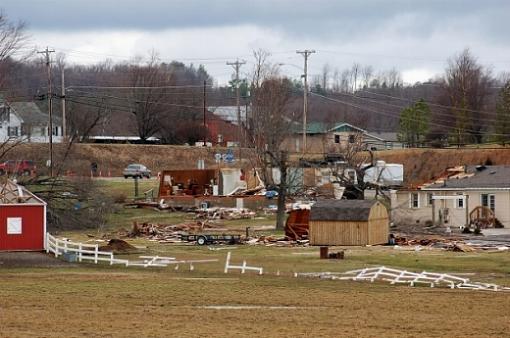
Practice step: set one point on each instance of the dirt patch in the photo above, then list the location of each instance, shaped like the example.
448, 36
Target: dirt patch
30, 260
118, 246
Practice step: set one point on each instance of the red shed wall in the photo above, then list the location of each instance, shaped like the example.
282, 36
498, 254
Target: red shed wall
32, 235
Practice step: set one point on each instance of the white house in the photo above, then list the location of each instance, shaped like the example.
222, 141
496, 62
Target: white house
24, 120
451, 199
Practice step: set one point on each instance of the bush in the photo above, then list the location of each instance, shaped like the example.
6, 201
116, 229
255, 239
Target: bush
119, 198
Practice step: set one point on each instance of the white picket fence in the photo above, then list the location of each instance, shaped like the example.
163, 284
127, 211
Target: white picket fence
88, 252
395, 276
91, 252
242, 267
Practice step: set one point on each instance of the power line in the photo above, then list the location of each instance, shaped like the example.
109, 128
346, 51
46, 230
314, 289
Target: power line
475, 119
139, 87
396, 117
134, 100
430, 104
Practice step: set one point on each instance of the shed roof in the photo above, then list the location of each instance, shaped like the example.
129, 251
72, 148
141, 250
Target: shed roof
341, 210
12, 193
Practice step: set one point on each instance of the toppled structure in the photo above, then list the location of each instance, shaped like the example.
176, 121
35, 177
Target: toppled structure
396, 276
226, 187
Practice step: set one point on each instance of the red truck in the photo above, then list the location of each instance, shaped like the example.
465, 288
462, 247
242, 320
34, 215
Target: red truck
20, 167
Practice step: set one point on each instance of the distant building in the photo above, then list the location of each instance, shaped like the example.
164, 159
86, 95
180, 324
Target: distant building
326, 138
25, 121
229, 113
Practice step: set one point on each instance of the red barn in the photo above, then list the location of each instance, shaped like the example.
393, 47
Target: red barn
22, 219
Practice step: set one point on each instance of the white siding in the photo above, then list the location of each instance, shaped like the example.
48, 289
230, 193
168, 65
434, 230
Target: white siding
402, 212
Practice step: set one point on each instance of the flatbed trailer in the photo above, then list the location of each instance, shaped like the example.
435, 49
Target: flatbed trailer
203, 239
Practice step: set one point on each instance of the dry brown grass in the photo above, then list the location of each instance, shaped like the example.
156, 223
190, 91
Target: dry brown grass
104, 301
128, 303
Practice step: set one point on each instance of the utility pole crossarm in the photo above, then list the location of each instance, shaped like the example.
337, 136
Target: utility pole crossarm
306, 53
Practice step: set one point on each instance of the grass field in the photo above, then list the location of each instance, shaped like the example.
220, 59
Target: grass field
84, 300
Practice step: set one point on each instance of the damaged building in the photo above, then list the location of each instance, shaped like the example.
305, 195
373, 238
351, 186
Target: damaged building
461, 196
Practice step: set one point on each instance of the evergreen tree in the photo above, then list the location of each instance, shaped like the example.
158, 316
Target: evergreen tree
414, 123
502, 127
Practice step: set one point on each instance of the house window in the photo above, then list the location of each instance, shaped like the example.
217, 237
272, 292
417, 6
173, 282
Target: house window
55, 131
430, 200
460, 203
12, 131
337, 138
488, 200
414, 200
43, 131
352, 138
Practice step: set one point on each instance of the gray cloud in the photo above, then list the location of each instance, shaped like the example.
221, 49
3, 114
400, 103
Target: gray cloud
410, 35
320, 17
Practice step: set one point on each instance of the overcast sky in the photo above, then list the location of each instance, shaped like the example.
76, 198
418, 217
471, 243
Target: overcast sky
415, 37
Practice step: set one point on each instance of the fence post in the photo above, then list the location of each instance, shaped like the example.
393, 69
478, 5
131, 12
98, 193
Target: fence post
227, 262
96, 253
80, 248
56, 247
65, 247
244, 266
111, 258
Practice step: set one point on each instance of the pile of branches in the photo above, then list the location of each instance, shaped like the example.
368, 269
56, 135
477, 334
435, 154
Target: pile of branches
73, 203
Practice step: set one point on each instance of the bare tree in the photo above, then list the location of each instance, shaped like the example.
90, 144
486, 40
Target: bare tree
350, 173
394, 78
345, 81
355, 73
147, 98
326, 69
12, 40
336, 81
466, 85
270, 126
367, 73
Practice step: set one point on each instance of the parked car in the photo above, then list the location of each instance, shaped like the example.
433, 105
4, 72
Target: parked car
136, 170
19, 167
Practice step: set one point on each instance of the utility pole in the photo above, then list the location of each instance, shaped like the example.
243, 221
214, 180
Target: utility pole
306, 53
236, 65
47, 52
205, 125
64, 124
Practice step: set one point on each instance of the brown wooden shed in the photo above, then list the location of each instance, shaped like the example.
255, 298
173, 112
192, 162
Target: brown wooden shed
348, 222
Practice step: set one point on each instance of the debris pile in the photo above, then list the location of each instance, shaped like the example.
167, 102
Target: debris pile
275, 241
297, 224
225, 213
165, 233
451, 244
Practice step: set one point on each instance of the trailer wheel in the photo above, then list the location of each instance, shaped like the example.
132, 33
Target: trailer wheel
201, 240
